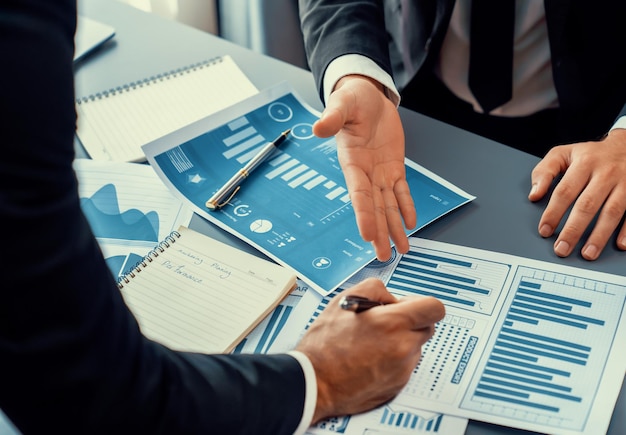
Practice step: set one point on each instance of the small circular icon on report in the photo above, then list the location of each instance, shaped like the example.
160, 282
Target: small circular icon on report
242, 210
321, 263
302, 131
280, 112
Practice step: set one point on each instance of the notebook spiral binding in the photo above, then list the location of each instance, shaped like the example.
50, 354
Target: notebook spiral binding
148, 258
149, 80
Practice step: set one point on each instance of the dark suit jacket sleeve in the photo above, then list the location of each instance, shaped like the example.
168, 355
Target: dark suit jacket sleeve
622, 112
332, 28
72, 358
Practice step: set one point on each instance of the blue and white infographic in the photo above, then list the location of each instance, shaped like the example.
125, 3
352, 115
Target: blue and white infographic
128, 208
295, 207
526, 344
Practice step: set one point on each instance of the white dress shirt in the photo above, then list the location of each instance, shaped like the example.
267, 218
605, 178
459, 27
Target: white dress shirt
533, 84
310, 399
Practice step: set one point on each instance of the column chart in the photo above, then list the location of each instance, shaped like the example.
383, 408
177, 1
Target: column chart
527, 344
550, 349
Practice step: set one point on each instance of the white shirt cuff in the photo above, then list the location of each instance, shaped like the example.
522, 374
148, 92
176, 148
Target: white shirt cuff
620, 123
358, 64
310, 398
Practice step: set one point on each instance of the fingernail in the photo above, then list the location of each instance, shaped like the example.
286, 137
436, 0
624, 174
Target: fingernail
533, 189
590, 252
623, 242
545, 230
561, 248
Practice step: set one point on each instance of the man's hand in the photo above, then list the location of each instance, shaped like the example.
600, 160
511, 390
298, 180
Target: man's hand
370, 148
593, 183
363, 360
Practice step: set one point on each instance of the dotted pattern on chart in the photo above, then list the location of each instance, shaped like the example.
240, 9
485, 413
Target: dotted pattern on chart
440, 359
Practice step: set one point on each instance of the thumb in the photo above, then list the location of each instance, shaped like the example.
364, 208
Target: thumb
330, 123
334, 116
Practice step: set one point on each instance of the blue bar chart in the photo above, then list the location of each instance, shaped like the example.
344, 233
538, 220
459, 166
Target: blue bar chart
549, 352
261, 338
524, 343
468, 283
275, 321
410, 420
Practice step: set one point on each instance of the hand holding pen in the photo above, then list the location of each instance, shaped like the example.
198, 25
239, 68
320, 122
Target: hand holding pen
230, 188
358, 303
377, 351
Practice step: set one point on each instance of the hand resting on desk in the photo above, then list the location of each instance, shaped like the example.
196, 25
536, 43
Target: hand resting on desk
363, 360
594, 181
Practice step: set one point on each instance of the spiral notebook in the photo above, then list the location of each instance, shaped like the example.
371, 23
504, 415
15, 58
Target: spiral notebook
115, 123
194, 293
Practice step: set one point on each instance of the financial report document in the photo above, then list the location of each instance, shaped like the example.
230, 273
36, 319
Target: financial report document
128, 208
527, 344
392, 418
295, 207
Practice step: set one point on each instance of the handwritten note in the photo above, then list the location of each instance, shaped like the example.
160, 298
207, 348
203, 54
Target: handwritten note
198, 294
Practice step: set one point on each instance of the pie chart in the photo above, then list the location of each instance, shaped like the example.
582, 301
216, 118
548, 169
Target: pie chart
260, 226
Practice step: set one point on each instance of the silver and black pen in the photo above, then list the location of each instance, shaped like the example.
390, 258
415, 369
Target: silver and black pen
225, 193
358, 304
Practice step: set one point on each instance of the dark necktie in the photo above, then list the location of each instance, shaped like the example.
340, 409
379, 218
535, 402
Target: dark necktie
491, 52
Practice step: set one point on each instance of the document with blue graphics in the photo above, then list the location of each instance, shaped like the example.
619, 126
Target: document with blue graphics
390, 418
527, 344
128, 208
295, 207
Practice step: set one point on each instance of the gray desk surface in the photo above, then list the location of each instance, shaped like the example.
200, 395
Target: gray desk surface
501, 219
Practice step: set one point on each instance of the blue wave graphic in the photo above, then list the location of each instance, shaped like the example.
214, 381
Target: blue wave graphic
103, 213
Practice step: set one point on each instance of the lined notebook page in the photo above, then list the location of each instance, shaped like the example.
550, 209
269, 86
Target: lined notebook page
115, 124
202, 295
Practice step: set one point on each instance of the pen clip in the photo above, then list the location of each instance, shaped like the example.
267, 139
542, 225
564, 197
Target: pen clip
229, 198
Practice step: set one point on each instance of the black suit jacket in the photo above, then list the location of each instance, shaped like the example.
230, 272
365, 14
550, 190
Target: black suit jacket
72, 358
587, 42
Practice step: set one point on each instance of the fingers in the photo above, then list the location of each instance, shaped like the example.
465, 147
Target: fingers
608, 220
394, 210
362, 360
419, 312
401, 216
390, 221
415, 313
364, 201
384, 203
592, 189
371, 288
370, 148
621, 238
547, 170
381, 212
564, 195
